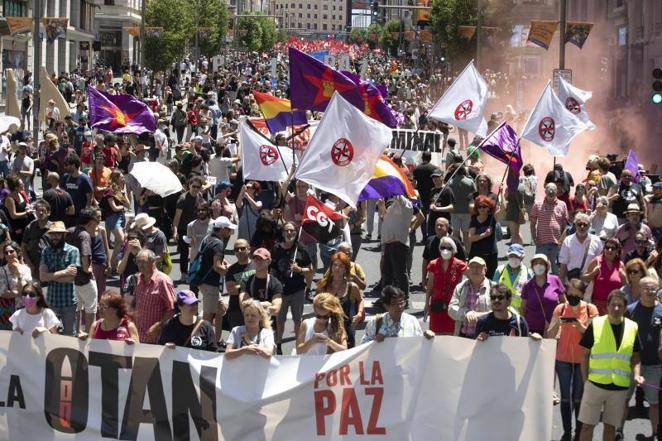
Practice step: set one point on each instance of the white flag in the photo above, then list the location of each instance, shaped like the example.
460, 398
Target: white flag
463, 103
551, 125
574, 100
260, 159
343, 153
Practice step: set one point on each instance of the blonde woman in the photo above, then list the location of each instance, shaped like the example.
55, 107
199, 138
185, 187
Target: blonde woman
324, 333
255, 336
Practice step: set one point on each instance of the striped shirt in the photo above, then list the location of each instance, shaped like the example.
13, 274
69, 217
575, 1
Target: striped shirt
154, 298
552, 219
60, 294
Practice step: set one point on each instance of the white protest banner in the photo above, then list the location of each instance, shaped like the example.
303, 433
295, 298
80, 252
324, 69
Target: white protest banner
59, 388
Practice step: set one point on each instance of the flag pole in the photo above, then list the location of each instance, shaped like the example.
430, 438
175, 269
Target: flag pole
296, 250
451, 177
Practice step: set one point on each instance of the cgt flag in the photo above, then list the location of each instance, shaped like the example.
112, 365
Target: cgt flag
320, 221
119, 113
574, 100
260, 159
344, 151
463, 103
551, 125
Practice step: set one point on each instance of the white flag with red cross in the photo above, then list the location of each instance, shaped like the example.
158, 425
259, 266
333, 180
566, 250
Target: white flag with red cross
551, 125
463, 103
574, 99
344, 150
260, 159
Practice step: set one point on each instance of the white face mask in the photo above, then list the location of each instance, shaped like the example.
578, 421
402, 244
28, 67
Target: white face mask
539, 269
514, 262
446, 254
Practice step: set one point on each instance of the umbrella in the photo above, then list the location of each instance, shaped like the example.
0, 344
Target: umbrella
7, 121
156, 177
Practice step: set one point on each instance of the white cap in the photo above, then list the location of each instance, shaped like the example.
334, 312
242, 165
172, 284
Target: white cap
223, 222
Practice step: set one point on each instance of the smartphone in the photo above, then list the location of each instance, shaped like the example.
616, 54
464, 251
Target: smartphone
568, 319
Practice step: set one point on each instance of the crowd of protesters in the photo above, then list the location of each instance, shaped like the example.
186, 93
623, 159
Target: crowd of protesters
87, 252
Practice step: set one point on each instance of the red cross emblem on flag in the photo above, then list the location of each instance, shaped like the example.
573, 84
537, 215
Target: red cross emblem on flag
547, 129
463, 110
573, 105
268, 154
342, 152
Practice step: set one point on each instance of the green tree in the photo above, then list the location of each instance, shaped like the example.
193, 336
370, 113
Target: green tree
389, 40
446, 17
374, 34
212, 14
358, 35
257, 32
176, 17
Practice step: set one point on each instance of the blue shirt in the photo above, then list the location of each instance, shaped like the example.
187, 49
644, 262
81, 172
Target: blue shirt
649, 321
60, 295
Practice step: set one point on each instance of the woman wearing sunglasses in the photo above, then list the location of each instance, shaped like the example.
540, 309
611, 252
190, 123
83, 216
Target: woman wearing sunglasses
607, 273
114, 322
13, 276
36, 317
324, 333
482, 233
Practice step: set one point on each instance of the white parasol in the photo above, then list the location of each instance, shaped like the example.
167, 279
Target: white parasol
7, 121
156, 177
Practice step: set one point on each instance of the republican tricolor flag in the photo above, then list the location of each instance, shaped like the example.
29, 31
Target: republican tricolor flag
278, 112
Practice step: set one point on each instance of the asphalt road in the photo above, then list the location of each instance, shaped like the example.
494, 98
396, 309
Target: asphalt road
368, 258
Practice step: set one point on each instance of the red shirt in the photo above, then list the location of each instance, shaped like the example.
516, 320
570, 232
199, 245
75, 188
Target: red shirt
154, 298
120, 333
112, 155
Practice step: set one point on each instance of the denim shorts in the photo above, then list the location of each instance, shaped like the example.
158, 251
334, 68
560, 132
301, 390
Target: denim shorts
116, 221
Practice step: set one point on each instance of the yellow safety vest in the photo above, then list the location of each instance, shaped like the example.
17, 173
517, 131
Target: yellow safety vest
607, 365
515, 286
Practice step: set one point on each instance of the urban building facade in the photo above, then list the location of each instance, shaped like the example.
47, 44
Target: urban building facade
113, 21
312, 17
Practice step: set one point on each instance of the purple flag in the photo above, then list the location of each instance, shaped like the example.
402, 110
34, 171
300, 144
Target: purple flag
632, 164
119, 113
503, 145
312, 84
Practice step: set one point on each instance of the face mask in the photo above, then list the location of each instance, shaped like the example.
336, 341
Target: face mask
28, 301
514, 262
539, 269
573, 300
446, 254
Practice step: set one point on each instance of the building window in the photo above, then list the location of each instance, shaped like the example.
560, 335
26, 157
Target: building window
300, 15
315, 7
324, 17
292, 5
109, 2
300, 6
315, 26
619, 3
14, 8
622, 36
325, 7
299, 26
315, 16
308, 6
324, 26
340, 8
307, 15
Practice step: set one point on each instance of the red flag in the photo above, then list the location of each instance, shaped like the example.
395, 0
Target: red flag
320, 221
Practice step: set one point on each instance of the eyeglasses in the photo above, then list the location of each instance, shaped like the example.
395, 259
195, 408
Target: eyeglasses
240, 248
649, 290
636, 271
581, 224
30, 294
497, 298
322, 317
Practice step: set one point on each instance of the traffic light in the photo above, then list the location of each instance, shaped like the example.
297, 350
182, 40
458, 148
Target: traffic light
657, 86
375, 7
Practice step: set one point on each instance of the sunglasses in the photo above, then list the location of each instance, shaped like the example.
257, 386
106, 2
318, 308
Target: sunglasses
581, 224
445, 248
497, 298
634, 272
29, 294
480, 207
240, 248
322, 317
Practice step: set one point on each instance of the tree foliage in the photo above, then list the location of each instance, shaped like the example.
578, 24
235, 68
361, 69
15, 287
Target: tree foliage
180, 20
358, 35
257, 32
390, 38
446, 17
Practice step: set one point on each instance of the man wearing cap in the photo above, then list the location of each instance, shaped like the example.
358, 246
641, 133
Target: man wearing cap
155, 239
212, 270
654, 210
441, 200
471, 298
154, 297
23, 166
58, 268
261, 286
628, 231
513, 275
578, 250
549, 218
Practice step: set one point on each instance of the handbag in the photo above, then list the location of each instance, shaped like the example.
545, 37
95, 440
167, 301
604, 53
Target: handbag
166, 261
438, 306
576, 273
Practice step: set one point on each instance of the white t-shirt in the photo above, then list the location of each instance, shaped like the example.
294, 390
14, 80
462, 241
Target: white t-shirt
4, 148
219, 167
28, 322
264, 338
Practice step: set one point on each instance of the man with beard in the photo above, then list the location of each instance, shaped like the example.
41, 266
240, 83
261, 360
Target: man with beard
58, 268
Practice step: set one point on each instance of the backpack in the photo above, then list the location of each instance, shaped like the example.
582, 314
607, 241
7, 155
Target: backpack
195, 275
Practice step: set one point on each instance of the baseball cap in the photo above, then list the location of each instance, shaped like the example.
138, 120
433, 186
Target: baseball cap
516, 250
187, 297
223, 222
478, 260
262, 253
437, 173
